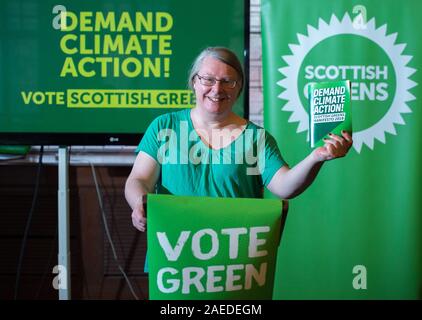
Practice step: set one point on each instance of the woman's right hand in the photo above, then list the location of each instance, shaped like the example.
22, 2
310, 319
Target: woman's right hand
139, 219
142, 180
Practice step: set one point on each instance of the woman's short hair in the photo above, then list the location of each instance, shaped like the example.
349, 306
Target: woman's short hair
222, 54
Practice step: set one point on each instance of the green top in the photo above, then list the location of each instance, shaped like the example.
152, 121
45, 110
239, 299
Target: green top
190, 167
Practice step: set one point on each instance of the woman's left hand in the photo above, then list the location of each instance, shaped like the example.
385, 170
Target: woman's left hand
334, 147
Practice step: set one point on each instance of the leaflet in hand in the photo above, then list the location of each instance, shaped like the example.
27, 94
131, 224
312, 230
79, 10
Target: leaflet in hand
329, 110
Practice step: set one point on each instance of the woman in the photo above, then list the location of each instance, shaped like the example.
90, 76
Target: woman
211, 151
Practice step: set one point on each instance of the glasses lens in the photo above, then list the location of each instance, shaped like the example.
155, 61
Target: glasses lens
229, 83
208, 81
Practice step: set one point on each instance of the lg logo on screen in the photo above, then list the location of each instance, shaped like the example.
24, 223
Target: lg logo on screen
60, 281
359, 280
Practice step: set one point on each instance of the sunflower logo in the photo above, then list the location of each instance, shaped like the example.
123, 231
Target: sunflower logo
399, 97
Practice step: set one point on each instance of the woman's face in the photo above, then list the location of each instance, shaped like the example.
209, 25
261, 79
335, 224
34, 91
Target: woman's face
218, 98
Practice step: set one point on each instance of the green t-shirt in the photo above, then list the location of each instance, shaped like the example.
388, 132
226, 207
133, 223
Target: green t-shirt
190, 167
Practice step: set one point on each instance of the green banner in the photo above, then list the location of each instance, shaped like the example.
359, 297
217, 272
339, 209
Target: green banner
356, 233
212, 248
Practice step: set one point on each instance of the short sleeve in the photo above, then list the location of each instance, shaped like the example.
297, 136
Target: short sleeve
273, 159
149, 142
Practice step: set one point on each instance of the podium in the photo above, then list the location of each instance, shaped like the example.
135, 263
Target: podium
212, 248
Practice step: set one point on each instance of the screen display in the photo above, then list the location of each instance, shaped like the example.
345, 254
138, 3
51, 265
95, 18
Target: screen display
98, 72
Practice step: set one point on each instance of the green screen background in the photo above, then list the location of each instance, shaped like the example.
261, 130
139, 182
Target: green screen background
31, 60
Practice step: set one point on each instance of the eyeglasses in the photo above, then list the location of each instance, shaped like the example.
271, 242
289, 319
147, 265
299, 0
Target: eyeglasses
210, 81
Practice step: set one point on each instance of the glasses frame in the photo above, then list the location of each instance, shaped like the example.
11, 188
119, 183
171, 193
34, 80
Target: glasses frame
224, 82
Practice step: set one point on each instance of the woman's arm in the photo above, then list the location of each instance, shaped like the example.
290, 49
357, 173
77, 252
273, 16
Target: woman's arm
141, 180
288, 183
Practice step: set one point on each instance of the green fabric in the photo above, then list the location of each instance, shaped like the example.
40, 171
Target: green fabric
216, 174
356, 233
